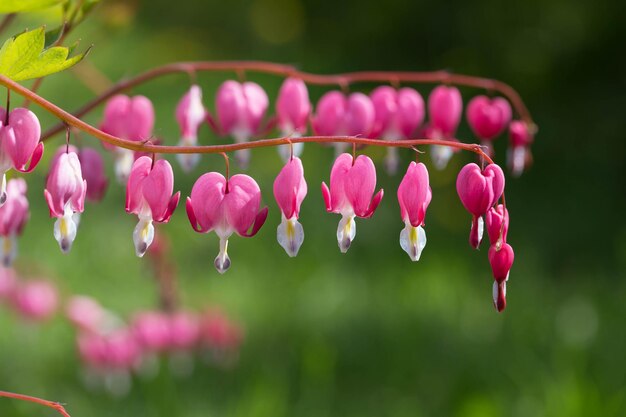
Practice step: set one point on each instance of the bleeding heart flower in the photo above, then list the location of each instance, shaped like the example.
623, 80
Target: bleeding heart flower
19, 143
501, 261
152, 330
352, 185
36, 299
293, 109
13, 217
240, 109
398, 113
65, 194
445, 106
225, 206
414, 195
149, 196
338, 115
497, 220
184, 329
131, 119
518, 155
479, 191
289, 190
190, 114
488, 117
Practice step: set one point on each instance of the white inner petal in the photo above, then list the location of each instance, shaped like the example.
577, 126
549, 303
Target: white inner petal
290, 235
65, 229
346, 231
222, 261
143, 235
413, 241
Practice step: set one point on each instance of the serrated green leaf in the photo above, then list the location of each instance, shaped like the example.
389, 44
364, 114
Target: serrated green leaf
20, 50
24, 57
16, 6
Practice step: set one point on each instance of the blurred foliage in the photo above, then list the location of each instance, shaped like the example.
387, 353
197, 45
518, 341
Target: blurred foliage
367, 333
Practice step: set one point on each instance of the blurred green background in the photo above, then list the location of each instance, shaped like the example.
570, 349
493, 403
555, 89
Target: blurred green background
367, 333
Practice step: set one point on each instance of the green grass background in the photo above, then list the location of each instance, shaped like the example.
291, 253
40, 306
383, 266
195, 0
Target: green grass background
367, 333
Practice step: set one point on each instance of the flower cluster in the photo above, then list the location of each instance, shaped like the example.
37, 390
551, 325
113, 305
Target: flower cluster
479, 191
230, 205
387, 113
110, 348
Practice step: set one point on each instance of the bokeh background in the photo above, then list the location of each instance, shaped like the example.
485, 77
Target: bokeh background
367, 333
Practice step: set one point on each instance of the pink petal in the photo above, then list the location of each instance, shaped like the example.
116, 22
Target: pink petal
290, 188
20, 138
330, 114
360, 115
488, 117
414, 194
134, 187
241, 204
338, 175
256, 105
158, 187
230, 105
410, 111
293, 106
206, 200
359, 184
445, 107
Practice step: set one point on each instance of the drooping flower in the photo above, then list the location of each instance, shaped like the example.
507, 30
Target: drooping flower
479, 190
131, 119
414, 195
488, 117
293, 109
518, 155
13, 217
190, 114
149, 196
184, 329
398, 113
445, 106
338, 115
225, 206
240, 109
290, 188
501, 259
65, 194
352, 185
151, 330
93, 170
35, 300
497, 222
20, 132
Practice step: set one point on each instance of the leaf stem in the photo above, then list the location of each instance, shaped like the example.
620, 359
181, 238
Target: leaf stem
51, 404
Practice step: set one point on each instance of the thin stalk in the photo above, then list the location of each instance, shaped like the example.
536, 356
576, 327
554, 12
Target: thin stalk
341, 80
51, 404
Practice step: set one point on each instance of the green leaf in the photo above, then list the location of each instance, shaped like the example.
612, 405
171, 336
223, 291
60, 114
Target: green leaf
25, 56
15, 6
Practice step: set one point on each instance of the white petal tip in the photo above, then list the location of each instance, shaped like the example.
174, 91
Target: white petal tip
413, 241
290, 235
